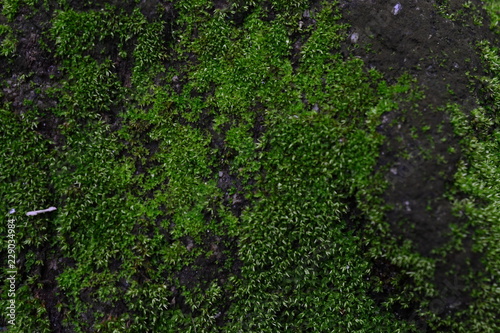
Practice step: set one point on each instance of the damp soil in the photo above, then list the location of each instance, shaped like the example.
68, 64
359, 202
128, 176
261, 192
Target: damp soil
439, 53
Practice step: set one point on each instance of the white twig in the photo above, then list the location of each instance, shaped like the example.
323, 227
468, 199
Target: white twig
35, 212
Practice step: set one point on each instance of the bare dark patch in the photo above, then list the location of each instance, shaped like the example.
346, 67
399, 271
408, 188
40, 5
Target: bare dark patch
417, 159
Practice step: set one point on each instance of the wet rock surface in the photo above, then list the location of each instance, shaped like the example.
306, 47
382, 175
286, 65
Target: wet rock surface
422, 152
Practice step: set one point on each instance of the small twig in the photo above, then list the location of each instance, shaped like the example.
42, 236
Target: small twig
35, 212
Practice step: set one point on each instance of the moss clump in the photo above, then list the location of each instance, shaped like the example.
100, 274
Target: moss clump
214, 169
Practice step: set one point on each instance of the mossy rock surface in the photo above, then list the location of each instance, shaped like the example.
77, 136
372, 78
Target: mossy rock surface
250, 166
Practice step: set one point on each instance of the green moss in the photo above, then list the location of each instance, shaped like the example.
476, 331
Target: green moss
221, 180
8, 41
476, 181
493, 8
